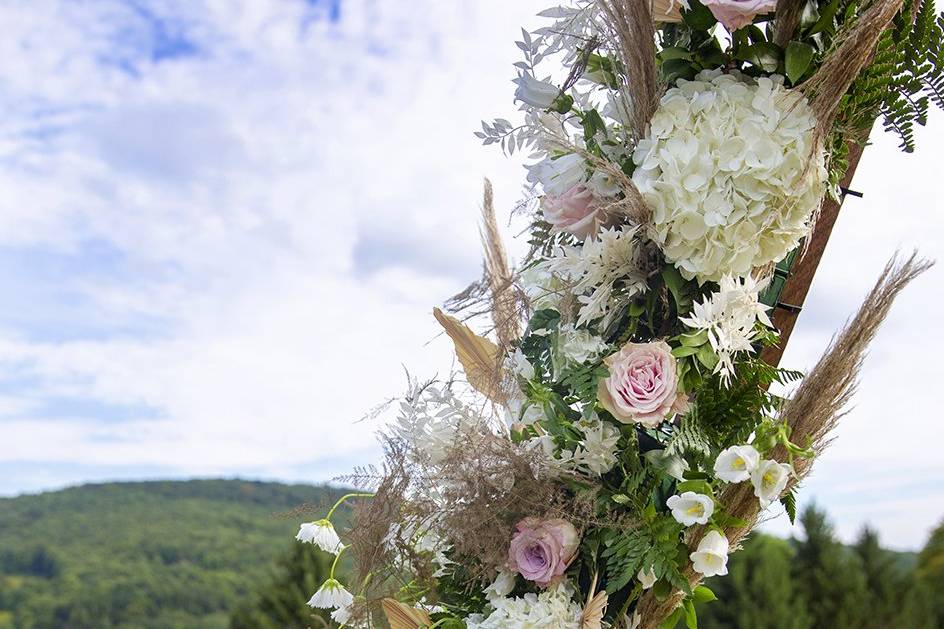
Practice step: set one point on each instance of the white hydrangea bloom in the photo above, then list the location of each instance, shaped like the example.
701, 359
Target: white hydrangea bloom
735, 464
726, 169
729, 317
553, 608
606, 272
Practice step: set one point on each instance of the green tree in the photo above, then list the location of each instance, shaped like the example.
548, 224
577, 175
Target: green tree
883, 579
283, 603
758, 591
929, 580
828, 577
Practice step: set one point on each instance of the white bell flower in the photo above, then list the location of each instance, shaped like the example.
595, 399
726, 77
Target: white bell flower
690, 508
540, 94
647, 577
769, 480
331, 595
735, 464
711, 557
321, 533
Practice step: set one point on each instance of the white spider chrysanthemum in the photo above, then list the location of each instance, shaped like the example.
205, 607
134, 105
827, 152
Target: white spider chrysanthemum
729, 317
553, 608
331, 595
321, 533
606, 272
726, 170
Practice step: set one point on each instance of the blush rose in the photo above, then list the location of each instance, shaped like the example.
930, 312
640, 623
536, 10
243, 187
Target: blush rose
735, 14
642, 386
576, 212
541, 550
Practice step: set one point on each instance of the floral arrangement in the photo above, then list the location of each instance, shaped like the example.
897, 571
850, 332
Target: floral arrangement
617, 435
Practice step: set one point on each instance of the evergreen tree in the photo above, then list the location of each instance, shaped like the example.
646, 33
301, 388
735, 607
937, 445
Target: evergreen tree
828, 577
929, 575
283, 603
882, 579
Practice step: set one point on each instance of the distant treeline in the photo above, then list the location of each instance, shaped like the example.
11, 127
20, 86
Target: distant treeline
215, 554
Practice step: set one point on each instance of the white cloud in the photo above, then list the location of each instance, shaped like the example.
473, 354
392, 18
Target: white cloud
253, 209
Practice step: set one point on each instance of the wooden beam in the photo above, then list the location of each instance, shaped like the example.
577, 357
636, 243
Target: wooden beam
797, 286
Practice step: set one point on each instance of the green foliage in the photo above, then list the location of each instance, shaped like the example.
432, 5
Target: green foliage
156, 555
654, 544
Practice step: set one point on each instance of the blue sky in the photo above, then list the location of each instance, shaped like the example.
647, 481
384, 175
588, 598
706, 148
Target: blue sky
224, 225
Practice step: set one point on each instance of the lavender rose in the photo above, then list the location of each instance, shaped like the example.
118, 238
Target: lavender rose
643, 384
541, 550
575, 211
735, 14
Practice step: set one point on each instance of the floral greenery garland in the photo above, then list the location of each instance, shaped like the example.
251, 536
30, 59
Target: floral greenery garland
640, 439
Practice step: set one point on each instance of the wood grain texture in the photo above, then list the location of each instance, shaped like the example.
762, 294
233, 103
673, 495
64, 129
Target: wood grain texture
802, 272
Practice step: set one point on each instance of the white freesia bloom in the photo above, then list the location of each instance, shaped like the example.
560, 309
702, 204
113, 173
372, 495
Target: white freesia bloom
606, 272
690, 508
729, 316
647, 578
554, 608
331, 595
321, 533
769, 480
735, 464
711, 557
501, 587
540, 94
725, 168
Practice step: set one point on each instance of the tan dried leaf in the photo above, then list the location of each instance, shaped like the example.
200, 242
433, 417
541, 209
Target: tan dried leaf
593, 612
402, 616
479, 356
667, 10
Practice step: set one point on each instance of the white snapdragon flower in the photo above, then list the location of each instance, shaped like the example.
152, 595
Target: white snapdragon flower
769, 480
501, 587
725, 168
321, 533
331, 595
540, 94
711, 557
690, 508
558, 175
578, 345
647, 577
735, 464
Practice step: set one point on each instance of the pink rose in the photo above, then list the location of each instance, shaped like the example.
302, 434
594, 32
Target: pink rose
541, 550
643, 384
735, 14
576, 212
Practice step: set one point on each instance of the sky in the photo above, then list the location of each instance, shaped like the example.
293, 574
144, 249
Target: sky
224, 225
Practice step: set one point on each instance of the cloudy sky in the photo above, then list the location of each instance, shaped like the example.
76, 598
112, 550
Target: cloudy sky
223, 225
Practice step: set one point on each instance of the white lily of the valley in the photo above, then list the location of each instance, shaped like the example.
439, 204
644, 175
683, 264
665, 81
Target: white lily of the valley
769, 480
321, 533
647, 577
735, 464
331, 595
690, 508
711, 557
540, 94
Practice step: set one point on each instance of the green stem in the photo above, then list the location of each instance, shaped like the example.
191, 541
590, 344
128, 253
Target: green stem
334, 564
341, 501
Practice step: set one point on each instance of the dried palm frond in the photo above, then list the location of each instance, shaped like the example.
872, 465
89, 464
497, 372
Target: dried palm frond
630, 25
667, 11
481, 359
402, 616
505, 312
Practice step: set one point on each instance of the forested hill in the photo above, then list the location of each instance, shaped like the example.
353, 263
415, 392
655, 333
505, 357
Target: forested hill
150, 554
